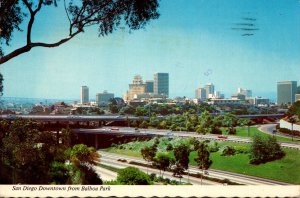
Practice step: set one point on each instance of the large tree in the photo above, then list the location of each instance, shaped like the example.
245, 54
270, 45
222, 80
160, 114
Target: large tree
202, 158
181, 153
107, 15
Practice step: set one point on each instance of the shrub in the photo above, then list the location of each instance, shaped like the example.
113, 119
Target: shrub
169, 147
133, 176
216, 130
228, 150
265, 150
214, 148
231, 131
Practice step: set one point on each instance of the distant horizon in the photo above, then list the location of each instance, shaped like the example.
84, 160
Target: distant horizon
196, 43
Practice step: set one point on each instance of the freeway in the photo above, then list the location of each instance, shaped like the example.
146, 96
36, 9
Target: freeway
178, 134
112, 158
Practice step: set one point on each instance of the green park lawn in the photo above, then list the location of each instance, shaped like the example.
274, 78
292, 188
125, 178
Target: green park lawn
243, 132
285, 170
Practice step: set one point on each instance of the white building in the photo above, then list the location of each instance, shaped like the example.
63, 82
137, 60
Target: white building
200, 93
210, 89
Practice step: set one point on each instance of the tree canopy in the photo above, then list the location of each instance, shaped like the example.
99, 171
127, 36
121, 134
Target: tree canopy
107, 15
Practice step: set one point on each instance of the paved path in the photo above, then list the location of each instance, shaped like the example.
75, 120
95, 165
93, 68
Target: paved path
268, 128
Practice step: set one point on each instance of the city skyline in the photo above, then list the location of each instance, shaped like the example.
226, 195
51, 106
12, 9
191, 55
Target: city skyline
202, 45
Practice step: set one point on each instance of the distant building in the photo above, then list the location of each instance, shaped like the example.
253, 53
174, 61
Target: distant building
297, 97
217, 101
149, 86
161, 84
200, 93
238, 96
246, 92
84, 95
258, 101
286, 91
102, 99
210, 89
137, 87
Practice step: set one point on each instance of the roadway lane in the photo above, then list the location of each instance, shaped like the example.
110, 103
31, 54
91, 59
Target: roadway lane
105, 174
269, 128
112, 161
235, 177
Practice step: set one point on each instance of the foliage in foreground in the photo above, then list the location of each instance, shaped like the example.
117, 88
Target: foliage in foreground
133, 176
30, 155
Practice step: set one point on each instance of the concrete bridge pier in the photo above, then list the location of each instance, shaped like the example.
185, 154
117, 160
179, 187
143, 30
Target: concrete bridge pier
96, 142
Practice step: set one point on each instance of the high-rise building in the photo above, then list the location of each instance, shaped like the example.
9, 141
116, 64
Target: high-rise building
297, 97
84, 95
149, 86
286, 91
103, 98
137, 87
210, 89
161, 84
246, 92
200, 93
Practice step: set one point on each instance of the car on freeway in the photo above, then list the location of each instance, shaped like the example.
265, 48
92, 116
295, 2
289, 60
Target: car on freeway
222, 137
170, 134
115, 129
11, 116
136, 129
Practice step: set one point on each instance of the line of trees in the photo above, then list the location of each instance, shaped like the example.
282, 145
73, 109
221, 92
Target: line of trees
205, 123
180, 162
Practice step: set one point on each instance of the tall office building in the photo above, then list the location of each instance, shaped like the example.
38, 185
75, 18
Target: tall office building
149, 86
161, 84
103, 98
84, 95
137, 87
210, 89
286, 91
200, 93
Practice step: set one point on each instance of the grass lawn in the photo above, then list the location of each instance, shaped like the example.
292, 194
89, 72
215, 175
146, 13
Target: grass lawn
243, 132
285, 170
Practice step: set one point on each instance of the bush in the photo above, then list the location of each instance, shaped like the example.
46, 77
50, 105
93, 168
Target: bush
214, 148
228, 150
169, 147
216, 130
265, 150
231, 131
133, 176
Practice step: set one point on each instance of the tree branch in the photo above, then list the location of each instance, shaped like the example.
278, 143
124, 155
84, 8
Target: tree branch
29, 46
28, 6
66, 10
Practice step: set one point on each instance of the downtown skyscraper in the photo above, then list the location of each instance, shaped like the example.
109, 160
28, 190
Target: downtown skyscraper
84, 95
161, 84
286, 92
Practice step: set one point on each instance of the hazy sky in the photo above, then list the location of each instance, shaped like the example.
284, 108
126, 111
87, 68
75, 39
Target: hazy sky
195, 41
